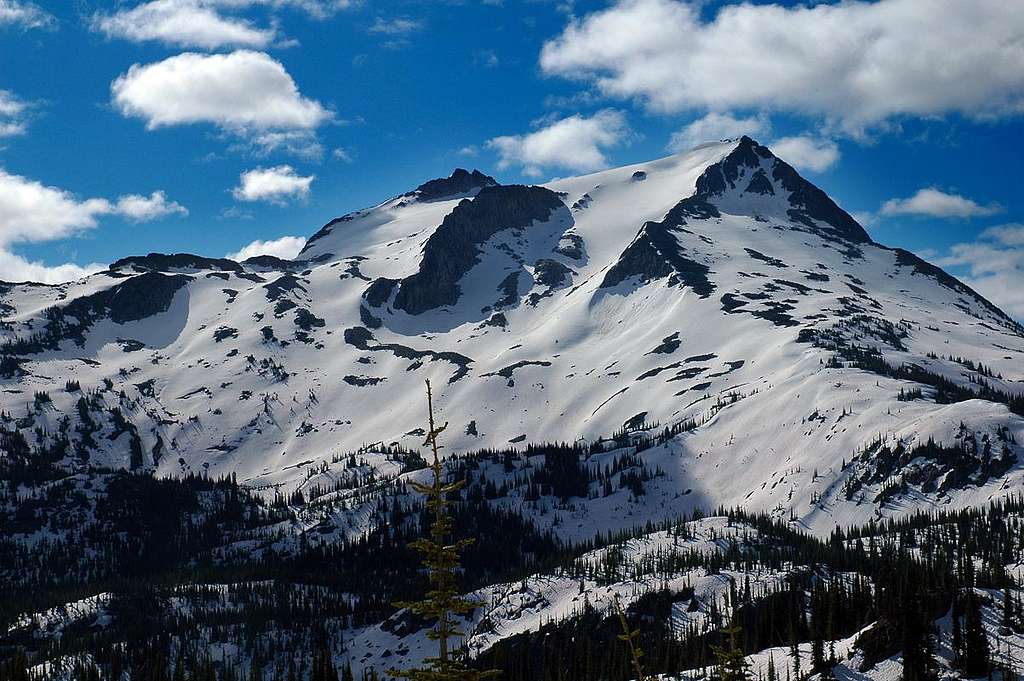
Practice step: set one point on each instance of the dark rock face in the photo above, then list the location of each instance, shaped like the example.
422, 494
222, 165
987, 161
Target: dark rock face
131, 300
306, 320
509, 290
760, 184
139, 297
668, 345
722, 176
807, 203
362, 381
571, 246
774, 262
551, 273
362, 338
367, 318
655, 253
282, 285
639, 176
271, 262
453, 249
498, 320
377, 293
161, 262
459, 182
636, 422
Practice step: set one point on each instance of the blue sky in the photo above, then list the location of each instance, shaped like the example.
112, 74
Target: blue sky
207, 125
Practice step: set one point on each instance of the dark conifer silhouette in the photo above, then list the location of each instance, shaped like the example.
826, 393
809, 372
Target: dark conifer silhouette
631, 638
443, 602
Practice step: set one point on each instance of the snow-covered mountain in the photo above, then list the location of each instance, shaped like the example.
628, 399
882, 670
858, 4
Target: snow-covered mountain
712, 305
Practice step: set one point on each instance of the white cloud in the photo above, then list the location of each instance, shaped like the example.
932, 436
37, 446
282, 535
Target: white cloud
855, 63
275, 185
10, 105
1008, 235
287, 247
396, 26
138, 208
577, 143
932, 202
24, 15
184, 23
12, 114
806, 152
319, 9
241, 92
995, 266
301, 143
866, 218
15, 268
33, 212
717, 126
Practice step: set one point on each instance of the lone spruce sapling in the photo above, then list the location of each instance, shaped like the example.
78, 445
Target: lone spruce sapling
631, 638
441, 559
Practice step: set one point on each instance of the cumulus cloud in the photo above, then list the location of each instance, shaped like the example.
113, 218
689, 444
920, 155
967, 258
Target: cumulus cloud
25, 15
33, 212
12, 114
932, 202
243, 92
205, 24
15, 268
855, 63
287, 247
279, 185
138, 208
184, 23
717, 126
995, 266
576, 143
806, 152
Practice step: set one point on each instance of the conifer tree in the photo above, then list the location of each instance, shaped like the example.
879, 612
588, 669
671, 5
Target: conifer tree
958, 637
1008, 618
731, 662
443, 602
975, 661
630, 637
918, 641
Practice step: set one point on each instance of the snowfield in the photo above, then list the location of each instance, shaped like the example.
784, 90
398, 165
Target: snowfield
713, 291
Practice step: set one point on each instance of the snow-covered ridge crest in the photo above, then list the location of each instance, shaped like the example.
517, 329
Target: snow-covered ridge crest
715, 294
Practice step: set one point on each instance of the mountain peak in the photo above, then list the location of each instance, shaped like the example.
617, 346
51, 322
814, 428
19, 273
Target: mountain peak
460, 182
751, 173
